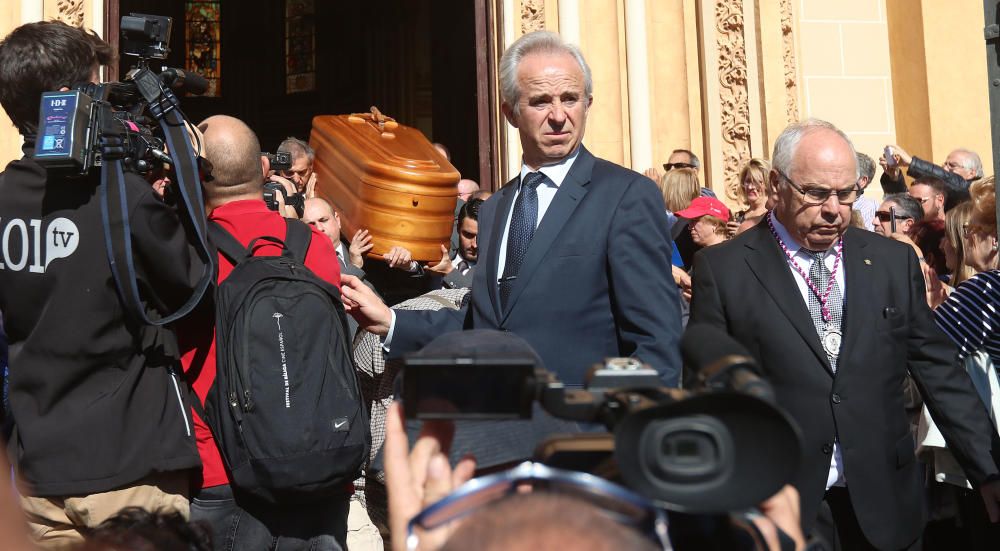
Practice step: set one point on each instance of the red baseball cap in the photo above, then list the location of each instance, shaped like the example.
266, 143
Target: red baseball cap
705, 205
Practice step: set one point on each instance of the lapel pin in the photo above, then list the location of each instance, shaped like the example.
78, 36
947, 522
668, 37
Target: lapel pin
868, 262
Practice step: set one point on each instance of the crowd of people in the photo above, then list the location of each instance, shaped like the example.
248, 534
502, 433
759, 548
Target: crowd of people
876, 324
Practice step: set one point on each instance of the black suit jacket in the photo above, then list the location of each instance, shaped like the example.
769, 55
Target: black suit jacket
595, 281
746, 288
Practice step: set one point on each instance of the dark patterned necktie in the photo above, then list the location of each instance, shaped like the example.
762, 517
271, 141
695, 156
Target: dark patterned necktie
522, 229
819, 274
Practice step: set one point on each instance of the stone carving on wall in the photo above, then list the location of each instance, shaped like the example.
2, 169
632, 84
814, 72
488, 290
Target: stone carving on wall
70, 12
788, 57
733, 93
532, 15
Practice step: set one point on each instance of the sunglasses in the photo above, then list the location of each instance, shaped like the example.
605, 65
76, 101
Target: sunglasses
884, 216
671, 166
614, 501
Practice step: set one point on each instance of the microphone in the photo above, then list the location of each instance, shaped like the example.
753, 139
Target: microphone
181, 80
722, 363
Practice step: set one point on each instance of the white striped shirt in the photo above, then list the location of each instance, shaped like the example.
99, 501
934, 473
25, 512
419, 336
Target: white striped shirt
971, 315
866, 207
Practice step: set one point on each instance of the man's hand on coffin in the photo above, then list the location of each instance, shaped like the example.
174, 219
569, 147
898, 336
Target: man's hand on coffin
361, 243
310, 191
401, 259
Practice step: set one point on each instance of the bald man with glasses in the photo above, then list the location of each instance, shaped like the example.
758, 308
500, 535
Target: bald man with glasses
836, 317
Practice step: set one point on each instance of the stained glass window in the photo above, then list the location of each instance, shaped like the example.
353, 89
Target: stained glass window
300, 46
202, 22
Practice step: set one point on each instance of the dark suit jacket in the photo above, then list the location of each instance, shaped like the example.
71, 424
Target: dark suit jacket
746, 288
456, 279
594, 283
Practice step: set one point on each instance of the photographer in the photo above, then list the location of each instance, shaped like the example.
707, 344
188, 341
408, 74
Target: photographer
100, 423
233, 200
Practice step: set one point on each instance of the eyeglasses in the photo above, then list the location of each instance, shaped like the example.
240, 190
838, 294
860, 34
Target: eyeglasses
751, 184
671, 166
616, 502
885, 216
819, 196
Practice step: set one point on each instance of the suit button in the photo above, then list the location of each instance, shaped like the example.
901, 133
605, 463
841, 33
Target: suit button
827, 449
835, 398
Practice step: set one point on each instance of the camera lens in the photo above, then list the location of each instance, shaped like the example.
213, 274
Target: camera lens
684, 450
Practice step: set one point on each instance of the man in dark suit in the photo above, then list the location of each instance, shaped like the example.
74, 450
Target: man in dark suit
836, 316
575, 256
453, 272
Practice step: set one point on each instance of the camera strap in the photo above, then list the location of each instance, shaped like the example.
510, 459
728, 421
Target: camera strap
118, 231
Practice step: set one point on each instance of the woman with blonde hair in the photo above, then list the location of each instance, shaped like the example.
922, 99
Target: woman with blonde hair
970, 317
754, 191
953, 244
679, 187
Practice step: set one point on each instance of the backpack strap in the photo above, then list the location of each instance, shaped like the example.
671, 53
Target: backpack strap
226, 243
298, 235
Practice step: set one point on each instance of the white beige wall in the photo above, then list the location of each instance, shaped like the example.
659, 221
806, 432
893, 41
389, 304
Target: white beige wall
846, 71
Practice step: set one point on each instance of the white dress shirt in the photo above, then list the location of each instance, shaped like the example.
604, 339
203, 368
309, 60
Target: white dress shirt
555, 173
455, 262
804, 259
342, 253
866, 206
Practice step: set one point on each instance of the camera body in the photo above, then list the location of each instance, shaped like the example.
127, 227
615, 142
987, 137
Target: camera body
78, 127
296, 200
280, 161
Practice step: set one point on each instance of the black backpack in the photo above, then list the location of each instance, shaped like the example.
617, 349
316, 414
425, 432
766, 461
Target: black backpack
286, 408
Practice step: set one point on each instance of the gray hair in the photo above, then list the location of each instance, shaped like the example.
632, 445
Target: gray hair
533, 43
788, 142
971, 161
695, 162
866, 166
297, 148
906, 206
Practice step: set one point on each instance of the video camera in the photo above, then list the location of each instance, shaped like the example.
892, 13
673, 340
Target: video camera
80, 127
723, 447
129, 126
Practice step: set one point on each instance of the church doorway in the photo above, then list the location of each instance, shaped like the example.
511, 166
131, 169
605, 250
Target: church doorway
426, 63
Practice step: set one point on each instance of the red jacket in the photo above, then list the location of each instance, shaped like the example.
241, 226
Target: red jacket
245, 220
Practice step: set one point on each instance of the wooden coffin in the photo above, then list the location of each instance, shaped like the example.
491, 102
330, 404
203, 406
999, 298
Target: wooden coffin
387, 178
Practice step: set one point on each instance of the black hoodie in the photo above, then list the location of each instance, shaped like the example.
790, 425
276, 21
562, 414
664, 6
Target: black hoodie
94, 396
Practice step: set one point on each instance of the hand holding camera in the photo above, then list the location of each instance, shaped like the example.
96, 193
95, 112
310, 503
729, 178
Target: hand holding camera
893, 159
280, 195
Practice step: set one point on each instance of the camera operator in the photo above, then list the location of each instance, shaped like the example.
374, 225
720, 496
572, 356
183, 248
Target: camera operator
100, 423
